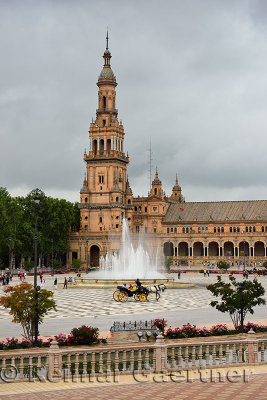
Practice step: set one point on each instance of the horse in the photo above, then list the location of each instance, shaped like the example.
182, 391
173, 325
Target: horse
156, 289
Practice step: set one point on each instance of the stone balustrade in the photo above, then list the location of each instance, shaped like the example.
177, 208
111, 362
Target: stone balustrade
82, 362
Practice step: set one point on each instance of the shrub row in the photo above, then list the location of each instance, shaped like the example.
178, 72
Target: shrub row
85, 335
189, 331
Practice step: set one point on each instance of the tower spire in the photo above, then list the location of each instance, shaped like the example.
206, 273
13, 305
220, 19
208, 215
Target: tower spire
107, 40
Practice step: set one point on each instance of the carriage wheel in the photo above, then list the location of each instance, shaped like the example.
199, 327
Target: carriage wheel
123, 296
116, 295
142, 297
136, 297
157, 296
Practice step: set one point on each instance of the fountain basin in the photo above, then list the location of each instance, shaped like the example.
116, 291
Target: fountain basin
99, 283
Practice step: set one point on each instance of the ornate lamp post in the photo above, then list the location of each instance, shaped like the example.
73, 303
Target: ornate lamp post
87, 268
244, 260
36, 194
52, 258
241, 288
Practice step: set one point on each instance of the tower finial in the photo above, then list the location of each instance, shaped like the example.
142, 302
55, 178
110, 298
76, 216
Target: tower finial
176, 179
107, 39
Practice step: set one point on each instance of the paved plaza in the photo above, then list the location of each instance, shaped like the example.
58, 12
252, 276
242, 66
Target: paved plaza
96, 307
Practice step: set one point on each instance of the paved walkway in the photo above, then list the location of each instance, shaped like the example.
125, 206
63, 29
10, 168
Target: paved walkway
254, 388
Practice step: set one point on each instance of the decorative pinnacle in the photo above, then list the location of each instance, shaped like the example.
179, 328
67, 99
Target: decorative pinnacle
176, 179
107, 40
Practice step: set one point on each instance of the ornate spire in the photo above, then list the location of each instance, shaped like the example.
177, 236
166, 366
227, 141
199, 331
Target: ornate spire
176, 181
107, 40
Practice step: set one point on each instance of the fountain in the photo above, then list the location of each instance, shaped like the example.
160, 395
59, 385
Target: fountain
138, 258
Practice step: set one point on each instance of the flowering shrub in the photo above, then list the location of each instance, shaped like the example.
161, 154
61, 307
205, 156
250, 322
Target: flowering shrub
160, 324
84, 335
218, 330
188, 330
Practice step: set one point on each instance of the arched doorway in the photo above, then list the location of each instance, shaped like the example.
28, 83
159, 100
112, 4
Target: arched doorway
228, 249
198, 249
108, 145
183, 249
94, 256
259, 249
213, 249
244, 249
168, 249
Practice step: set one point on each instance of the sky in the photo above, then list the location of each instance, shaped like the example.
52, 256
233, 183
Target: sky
192, 79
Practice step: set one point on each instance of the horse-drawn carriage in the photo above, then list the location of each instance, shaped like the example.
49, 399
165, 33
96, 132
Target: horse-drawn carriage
138, 293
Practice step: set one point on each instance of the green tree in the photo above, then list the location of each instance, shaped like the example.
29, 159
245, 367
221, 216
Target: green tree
20, 299
230, 297
265, 264
224, 265
28, 265
76, 263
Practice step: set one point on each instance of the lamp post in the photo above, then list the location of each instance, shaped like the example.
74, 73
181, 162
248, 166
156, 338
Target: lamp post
87, 269
9, 255
52, 259
244, 259
36, 194
241, 288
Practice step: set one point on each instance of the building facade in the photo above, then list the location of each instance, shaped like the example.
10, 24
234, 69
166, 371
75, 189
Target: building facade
189, 232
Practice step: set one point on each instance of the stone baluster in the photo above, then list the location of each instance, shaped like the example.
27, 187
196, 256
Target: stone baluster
180, 358
193, 356
116, 362
234, 353
227, 354
108, 362
132, 360
93, 365
101, 362
186, 356
139, 358
207, 350
200, 355
213, 359
172, 358
220, 355
147, 359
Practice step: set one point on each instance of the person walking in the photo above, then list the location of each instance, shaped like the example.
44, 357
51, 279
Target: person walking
65, 283
208, 273
179, 274
55, 283
42, 283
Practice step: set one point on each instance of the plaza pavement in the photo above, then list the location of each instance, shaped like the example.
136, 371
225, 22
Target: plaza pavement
97, 308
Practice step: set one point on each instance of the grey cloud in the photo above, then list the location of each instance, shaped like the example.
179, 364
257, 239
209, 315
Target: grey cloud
192, 76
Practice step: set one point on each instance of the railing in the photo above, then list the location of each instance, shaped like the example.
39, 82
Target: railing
78, 363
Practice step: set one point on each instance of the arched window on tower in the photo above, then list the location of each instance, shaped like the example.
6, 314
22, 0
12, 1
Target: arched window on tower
101, 146
108, 145
104, 102
155, 190
94, 146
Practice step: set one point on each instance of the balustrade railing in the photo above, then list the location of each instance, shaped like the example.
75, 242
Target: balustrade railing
57, 363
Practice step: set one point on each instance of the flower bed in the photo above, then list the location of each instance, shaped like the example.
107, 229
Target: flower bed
189, 331
85, 335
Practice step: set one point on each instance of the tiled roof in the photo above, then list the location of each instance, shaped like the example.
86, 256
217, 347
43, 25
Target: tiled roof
217, 211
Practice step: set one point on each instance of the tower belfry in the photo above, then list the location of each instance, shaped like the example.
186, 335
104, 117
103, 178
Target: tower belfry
107, 199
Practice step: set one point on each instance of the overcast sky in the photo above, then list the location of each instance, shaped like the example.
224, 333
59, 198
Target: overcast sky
192, 76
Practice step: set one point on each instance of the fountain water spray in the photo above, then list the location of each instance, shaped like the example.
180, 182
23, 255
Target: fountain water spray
142, 261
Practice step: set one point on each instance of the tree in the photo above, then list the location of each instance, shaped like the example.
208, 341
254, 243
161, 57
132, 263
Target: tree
76, 263
230, 295
223, 265
20, 299
265, 264
28, 265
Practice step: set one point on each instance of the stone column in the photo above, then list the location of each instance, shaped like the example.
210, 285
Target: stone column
54, 362
97, 144
265, 251
252, 348
207, 250
161, 361
112, 142
105, 143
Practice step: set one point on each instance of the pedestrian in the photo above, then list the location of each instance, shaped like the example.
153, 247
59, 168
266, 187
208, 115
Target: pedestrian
179, 274
65, 283
208, 273
55, 283
42, 283
205, 272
